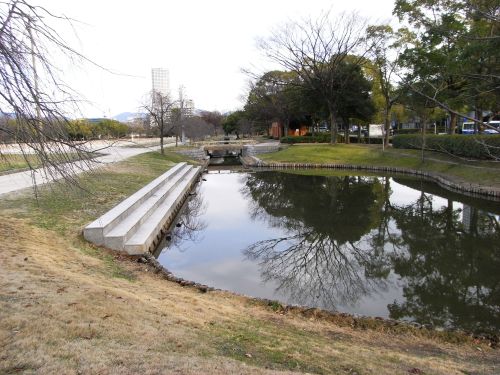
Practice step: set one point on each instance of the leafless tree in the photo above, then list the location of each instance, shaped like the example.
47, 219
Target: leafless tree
33, 95
195, 128
315, 49
214, 118
246, 127
159, 107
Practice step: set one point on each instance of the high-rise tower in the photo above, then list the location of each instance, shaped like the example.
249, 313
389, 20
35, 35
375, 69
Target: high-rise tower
160, 80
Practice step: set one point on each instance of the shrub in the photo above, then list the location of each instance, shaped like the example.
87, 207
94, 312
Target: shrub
325, 138
365, 140
406, 131
318, 138
471, 146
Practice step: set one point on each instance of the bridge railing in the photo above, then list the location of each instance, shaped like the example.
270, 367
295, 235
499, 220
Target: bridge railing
236, 142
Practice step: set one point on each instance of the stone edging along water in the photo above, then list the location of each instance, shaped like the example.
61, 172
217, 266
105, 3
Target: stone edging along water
341, 319
472, 190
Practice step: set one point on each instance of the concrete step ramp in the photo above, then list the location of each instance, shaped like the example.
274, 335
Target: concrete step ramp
135, 224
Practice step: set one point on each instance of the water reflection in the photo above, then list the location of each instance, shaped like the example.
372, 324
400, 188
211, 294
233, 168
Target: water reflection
188, 227
401, 247
450, 266
320, 258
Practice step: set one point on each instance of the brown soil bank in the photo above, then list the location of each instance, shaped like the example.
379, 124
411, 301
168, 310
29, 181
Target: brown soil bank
68, 308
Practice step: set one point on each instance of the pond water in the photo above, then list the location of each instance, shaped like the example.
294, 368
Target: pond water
382, 246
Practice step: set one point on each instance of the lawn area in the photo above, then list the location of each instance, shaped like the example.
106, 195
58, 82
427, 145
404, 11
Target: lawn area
477, 172
14, 162
70, 307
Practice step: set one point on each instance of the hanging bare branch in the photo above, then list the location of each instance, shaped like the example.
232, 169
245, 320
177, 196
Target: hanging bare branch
34, 100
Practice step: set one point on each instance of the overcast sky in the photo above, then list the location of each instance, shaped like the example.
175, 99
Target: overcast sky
203, 43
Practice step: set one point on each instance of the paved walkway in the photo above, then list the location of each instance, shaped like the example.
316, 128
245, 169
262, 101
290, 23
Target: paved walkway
21, 180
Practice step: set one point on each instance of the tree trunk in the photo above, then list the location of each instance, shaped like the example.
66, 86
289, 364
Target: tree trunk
424, 124
479, 116
161, 140
387, 124
286, 125
333, 127
453, 122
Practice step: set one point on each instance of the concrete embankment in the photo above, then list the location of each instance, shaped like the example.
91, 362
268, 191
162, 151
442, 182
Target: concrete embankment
136, 224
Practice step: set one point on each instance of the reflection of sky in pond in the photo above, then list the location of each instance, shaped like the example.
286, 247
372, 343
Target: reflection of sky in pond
219, 259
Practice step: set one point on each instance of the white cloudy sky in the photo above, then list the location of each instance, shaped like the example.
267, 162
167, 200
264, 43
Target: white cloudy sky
204, 44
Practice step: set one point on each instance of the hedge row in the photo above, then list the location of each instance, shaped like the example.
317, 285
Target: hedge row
406, 131
325, 138
318, 138
471, 146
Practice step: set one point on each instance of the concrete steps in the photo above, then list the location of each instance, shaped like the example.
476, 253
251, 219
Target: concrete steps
135, 224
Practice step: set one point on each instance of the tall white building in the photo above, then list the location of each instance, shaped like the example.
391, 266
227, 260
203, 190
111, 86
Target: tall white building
188, 109
160, 80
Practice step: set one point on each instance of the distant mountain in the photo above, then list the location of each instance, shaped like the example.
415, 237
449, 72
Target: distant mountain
198, 112
128, 116
8, 114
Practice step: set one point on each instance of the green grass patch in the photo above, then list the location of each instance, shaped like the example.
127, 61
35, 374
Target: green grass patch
479, 172
264, 344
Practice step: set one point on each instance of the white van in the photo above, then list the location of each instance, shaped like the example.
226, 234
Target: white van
495, 124
468, 128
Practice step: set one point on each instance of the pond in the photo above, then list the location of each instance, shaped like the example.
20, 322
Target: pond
396, 247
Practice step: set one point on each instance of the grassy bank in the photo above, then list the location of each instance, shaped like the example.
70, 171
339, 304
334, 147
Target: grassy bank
69, 307
459, 170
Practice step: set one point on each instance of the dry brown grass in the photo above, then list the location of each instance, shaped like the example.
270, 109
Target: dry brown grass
63, 313
68, 308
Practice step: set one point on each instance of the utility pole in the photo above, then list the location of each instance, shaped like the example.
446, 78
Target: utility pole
181, 112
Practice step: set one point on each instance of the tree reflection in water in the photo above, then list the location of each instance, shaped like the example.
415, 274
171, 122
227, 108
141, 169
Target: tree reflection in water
344, 237
450, 266
190, 226
322, 259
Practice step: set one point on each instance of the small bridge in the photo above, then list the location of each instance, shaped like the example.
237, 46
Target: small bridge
226, 148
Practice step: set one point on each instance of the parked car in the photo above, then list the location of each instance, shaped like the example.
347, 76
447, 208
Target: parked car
496, 125
354, 129
467, 128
